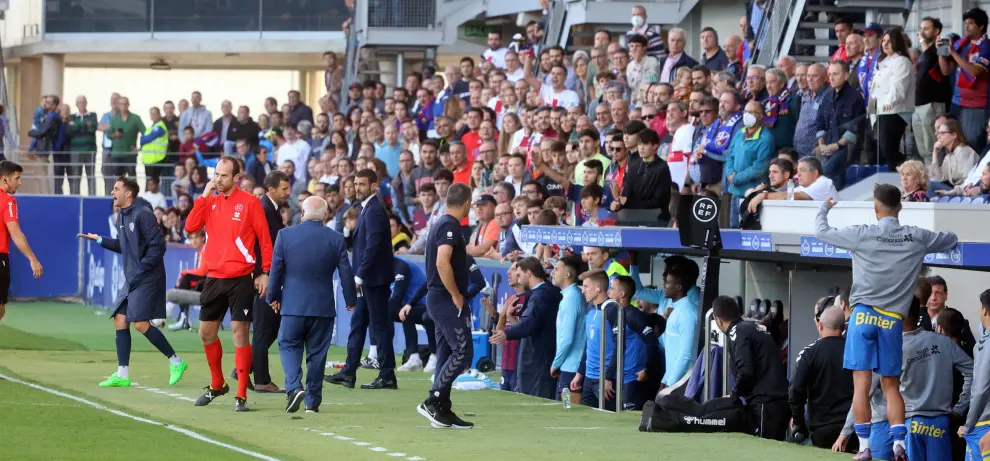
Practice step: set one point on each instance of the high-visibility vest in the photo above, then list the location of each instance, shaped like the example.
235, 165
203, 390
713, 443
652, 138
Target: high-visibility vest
154, 151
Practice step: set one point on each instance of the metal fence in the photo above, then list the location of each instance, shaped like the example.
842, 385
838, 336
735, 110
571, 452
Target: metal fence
63, 174
402, 14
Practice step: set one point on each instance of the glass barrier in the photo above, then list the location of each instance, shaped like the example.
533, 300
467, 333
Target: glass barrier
106, 16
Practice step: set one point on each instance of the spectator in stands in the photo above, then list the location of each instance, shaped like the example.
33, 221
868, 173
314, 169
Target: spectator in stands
969, 59
294, 150
642, 68
676, 58
788, 65
707, 157
600, 258
648, 183
806, 131
782, 108
952, 159
655, 47
840, 120
756, 84
891, 95
781, 174
761, 379
820, 381
537, 331
749, 158
843, 28
485, 236
680, 147
800, 80
225, 128
153, 194
196, 116
733, 48
712, 56
125, 128
867, 66
854, 51
914, 181
813, 185
246, 128
82, 143
933, 91
553, 93
935, 303
297, 110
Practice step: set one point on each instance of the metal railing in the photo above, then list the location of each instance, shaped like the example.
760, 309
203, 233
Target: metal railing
63, 174
770, 36
168, 16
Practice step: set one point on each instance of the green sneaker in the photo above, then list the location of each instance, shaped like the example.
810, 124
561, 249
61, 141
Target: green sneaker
116, 381
175, 372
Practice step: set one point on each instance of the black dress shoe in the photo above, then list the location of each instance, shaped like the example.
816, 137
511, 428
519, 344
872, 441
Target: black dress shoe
380, 383
341, 379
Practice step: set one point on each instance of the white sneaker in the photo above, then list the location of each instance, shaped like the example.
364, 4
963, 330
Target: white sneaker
431, 365
413, 364
181, 324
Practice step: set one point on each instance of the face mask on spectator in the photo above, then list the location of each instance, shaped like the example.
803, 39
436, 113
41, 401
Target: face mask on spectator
637, 21
749, 120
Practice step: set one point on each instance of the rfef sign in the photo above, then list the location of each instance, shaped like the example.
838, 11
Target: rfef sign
697, 220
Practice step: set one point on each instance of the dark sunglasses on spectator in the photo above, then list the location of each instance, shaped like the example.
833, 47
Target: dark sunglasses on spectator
649, 116
707, 111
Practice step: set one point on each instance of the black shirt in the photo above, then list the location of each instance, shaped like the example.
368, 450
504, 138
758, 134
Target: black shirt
932, 86
647, 186
550, 187
447, 231
820, 381
716, 63
760, 375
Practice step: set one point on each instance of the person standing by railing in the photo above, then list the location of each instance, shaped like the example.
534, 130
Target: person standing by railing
45, 134
124, 130
7, 133
82, 144
104, 127
154, 145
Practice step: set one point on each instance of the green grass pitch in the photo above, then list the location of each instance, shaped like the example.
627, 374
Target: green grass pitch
68, 349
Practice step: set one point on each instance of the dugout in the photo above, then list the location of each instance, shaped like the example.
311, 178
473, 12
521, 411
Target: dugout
785, 262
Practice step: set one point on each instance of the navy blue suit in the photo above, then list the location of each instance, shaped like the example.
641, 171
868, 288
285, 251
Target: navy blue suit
537, 328
374, 266
304, 260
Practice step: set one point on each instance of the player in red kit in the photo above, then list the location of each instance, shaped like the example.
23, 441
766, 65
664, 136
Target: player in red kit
234, 220
10, 180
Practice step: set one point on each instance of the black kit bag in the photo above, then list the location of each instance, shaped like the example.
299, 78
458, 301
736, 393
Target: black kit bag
676, 413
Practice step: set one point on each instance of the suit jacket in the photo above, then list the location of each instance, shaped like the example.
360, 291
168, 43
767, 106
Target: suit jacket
274, 219
683, 61
304, 261
218, 129
537, 328
46, 133
373, 262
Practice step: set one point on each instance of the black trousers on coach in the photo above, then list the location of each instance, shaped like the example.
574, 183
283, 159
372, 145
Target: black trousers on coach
770, 419
266, 324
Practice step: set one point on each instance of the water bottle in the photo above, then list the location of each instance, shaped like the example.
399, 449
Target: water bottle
790, 189
565, 395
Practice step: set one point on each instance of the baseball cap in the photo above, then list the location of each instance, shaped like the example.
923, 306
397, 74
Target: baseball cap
873, 28
485, 198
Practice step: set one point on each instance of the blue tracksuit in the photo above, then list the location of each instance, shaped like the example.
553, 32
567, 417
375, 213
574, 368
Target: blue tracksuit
142, 249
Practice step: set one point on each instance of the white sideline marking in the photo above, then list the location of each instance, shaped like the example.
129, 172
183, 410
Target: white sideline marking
159, 391
538, 404
377, 449
40, 404
573, 428
170, 427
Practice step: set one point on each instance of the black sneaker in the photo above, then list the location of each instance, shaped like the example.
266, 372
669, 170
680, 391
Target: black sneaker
341, 379
312, 410
293, 399
432, 412
456, 422
233, 376
240, 405
211, 394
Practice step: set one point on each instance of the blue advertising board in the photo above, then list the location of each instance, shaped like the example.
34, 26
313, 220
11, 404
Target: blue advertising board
639, 237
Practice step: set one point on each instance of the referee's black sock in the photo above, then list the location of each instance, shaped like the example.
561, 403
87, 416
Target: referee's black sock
156, 338
123, 348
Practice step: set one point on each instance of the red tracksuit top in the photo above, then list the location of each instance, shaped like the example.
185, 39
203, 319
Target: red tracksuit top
232, 225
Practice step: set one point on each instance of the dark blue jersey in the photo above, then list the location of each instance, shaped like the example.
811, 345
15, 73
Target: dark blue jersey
447, 231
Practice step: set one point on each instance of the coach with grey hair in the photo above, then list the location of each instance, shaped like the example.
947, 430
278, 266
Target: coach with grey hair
820, 381
300, 287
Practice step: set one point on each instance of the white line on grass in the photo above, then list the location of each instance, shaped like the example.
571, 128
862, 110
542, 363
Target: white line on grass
170, 427
573, 428
159, 391
377, 449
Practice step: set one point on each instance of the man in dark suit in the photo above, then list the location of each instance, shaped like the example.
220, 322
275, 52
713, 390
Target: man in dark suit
537, 328
266, 320
225, 128
301, 289
676, 42
373, 272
